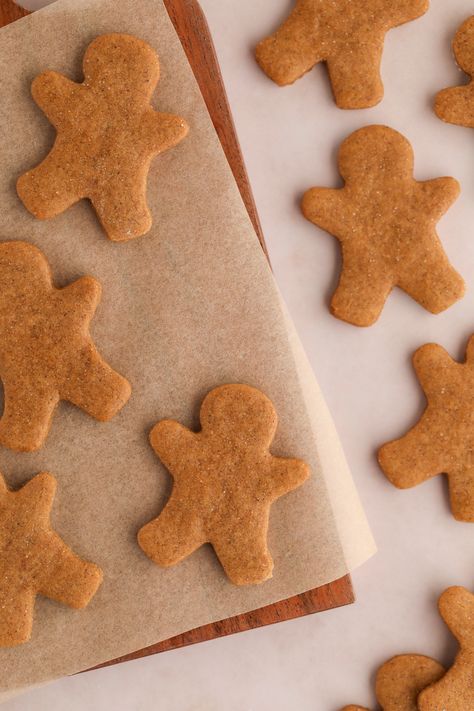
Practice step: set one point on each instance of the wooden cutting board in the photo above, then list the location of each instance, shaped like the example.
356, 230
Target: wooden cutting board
193, 31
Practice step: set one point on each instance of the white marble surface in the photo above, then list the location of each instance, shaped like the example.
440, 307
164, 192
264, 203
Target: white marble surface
289, 138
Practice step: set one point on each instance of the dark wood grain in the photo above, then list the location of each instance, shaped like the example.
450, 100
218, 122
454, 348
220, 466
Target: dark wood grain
193, 31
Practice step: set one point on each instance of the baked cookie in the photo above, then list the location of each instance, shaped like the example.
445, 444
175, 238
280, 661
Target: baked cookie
107, 135
456, 105
35, 560
400, 681
443, 440
385, 221
46, 352
348, 35
225, 480
455, 691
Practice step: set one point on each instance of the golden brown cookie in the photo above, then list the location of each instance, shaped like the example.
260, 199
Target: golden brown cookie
46, 352
348, 35
400, 681
385, 221
35, 560
443, 440
107, 135
456, 105
225, 480
455, 691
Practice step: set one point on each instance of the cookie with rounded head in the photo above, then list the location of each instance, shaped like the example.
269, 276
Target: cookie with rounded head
348, 35
385, 221
34, 560
456, 105
46, 351
225, 480
107, 135
442, 441
455, 690
400, 680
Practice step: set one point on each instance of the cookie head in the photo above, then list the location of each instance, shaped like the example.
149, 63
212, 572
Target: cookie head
375, 150
463, 46
240, 414
122, 59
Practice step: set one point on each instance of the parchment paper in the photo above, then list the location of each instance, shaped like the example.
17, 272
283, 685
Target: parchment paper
190, 306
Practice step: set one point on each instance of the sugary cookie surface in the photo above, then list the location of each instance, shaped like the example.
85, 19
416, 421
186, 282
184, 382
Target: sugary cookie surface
385, 221
107, 135
224, 482
35, 560
442, 441
455, 690
46, 351
348, 35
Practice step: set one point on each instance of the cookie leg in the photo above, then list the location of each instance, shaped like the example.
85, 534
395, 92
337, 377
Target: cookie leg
294, 49
121, 207
244, 555
173, 536
71, 580
455, 105
435, 284
48, 190
27, 415
360, 295
415, 458
355, 75
16, 617
461, 493
95, 387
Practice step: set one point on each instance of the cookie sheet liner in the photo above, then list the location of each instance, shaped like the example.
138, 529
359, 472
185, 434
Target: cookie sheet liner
190, 306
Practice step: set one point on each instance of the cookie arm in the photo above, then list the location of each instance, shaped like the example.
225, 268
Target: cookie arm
163, 131
82, 298
398, 12
94, 386
437, 196
54, 94
327, 208
456, 105
294, 48
176, 446
68, 579
287, 474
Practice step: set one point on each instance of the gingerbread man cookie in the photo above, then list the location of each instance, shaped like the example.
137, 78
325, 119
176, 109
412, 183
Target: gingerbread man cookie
385, 221
443, 440
348, 35
35, 560
456, 105
455, 691
400, 681
46, 352
107, 135
225, 480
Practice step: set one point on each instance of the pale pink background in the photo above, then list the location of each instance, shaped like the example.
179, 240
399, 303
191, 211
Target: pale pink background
289, 138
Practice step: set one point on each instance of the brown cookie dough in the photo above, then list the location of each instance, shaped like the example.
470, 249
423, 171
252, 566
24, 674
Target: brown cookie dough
443, 440
385, 221
400, 681
225, 480
348, 35
34, 560
46, 352
107, 135
456, 105
455, 691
